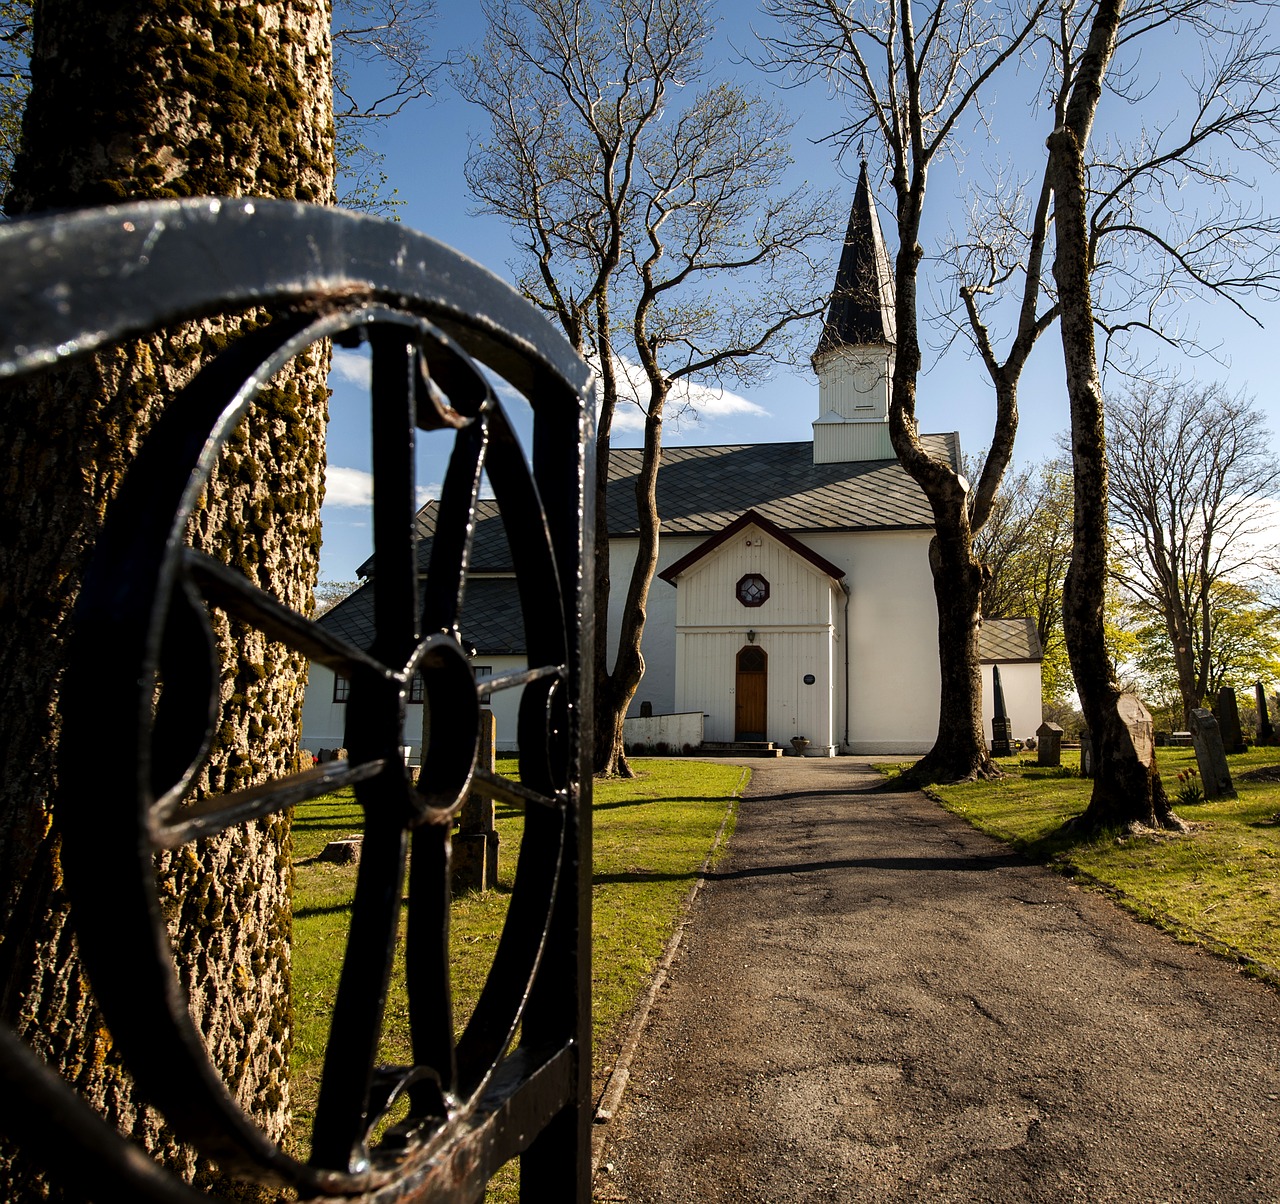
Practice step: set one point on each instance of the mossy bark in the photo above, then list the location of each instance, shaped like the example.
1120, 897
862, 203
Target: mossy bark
165, 98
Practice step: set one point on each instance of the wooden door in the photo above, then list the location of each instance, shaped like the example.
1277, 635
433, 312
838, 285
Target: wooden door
751, 690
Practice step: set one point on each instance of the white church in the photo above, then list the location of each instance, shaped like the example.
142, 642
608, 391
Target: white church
793, 603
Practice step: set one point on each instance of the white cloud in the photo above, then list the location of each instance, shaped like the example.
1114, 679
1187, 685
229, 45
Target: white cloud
347, 487
354, 367
688, 400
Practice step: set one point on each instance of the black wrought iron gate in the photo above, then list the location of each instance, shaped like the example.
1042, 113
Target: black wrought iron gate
516, 1081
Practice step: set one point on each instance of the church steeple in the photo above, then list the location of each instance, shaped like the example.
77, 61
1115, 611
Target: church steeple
854, 356
862, 305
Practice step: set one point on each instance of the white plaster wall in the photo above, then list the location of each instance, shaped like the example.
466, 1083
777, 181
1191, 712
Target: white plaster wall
324, 721
675, 731
893, 650
1022, 698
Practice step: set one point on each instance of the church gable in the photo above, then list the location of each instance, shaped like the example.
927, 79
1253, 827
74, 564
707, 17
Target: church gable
753, 574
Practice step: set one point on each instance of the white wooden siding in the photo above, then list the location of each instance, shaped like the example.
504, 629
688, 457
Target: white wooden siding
893, 654
795, 627
854, 384
324, 721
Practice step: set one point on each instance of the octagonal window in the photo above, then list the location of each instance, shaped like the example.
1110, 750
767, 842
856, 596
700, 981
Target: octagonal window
753, 590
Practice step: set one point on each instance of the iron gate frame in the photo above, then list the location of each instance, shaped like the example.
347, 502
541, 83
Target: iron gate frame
83, 280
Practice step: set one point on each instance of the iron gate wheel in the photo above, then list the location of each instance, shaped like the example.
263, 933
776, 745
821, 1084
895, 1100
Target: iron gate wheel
143, 638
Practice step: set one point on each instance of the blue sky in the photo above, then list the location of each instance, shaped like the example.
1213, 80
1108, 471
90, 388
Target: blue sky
426, 147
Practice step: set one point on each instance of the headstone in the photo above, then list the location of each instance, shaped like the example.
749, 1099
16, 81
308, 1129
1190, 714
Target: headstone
646, 710
343, 852
1229, 721
1266, 732
1001, 725
1049, 744
1138, 720
1211, 757
475, 844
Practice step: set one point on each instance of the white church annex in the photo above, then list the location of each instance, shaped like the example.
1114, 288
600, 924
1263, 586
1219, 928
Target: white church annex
793, 596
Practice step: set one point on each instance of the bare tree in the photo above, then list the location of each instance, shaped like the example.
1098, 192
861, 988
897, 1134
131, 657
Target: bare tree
1026, 546
1124, 782
15, 80
1126, 257
909, 83
381, 64
1189, 468
645, 224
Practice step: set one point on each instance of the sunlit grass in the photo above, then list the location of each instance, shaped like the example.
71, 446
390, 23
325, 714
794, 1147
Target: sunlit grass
1218, 886
651, 834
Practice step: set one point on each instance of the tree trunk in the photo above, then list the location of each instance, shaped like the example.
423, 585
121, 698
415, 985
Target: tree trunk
159, 100
617, 688
1125, 790
960, 752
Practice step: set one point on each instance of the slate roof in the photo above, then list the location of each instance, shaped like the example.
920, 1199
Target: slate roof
489, 551
862, 308
490, 619
1009, 640
703, 489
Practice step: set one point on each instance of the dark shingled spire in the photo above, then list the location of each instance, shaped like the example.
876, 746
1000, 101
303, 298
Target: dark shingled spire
862, 307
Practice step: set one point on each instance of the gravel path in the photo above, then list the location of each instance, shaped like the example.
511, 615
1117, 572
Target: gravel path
875, 1002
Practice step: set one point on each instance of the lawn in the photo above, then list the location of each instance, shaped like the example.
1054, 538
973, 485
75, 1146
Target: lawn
1219, 886
651, 835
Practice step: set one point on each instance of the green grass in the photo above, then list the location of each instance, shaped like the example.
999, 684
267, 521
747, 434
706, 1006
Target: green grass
651, 835
1218, 886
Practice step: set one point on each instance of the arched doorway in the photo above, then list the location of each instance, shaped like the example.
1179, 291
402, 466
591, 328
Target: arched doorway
750, 692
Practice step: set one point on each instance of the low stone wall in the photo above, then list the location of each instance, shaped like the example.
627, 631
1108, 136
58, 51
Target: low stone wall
663, 733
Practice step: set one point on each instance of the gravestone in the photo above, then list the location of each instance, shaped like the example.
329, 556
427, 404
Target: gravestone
1138, 723
1211, 757
1137, 719
1049, 744
1229, 721
1001, 725
475, 844
344, 851
1266, 732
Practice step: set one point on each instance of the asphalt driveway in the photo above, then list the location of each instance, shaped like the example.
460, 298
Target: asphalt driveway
875, 1002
